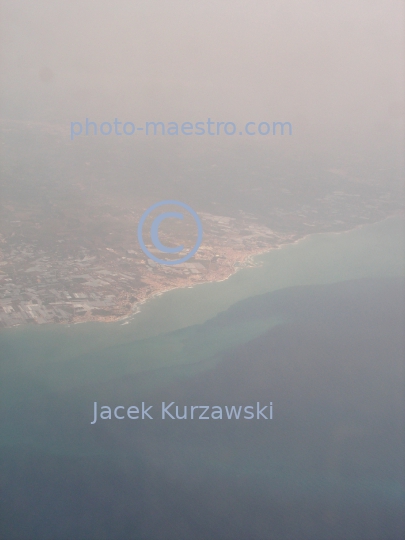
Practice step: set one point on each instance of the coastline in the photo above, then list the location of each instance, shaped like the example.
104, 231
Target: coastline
233, 261
159, 292
248, 261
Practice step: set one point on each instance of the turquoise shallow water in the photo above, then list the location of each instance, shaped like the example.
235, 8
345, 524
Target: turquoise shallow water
375, 250
166, 332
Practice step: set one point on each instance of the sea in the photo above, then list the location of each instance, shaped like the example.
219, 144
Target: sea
314, 327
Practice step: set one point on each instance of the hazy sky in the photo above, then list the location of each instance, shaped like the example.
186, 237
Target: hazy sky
330, 68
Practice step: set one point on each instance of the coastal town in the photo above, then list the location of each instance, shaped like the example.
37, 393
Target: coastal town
76, 277
107, 284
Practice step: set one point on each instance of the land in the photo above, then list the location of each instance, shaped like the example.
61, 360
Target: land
102, 283
109, 280
69, 251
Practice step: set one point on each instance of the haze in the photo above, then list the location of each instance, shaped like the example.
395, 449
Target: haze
333, 69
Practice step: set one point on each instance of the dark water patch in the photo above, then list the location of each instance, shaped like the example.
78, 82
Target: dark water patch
329, 464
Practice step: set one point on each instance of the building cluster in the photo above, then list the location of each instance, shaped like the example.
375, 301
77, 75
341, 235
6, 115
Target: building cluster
39, 286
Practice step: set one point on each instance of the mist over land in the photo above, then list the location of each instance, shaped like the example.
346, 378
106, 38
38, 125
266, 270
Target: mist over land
70, 207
